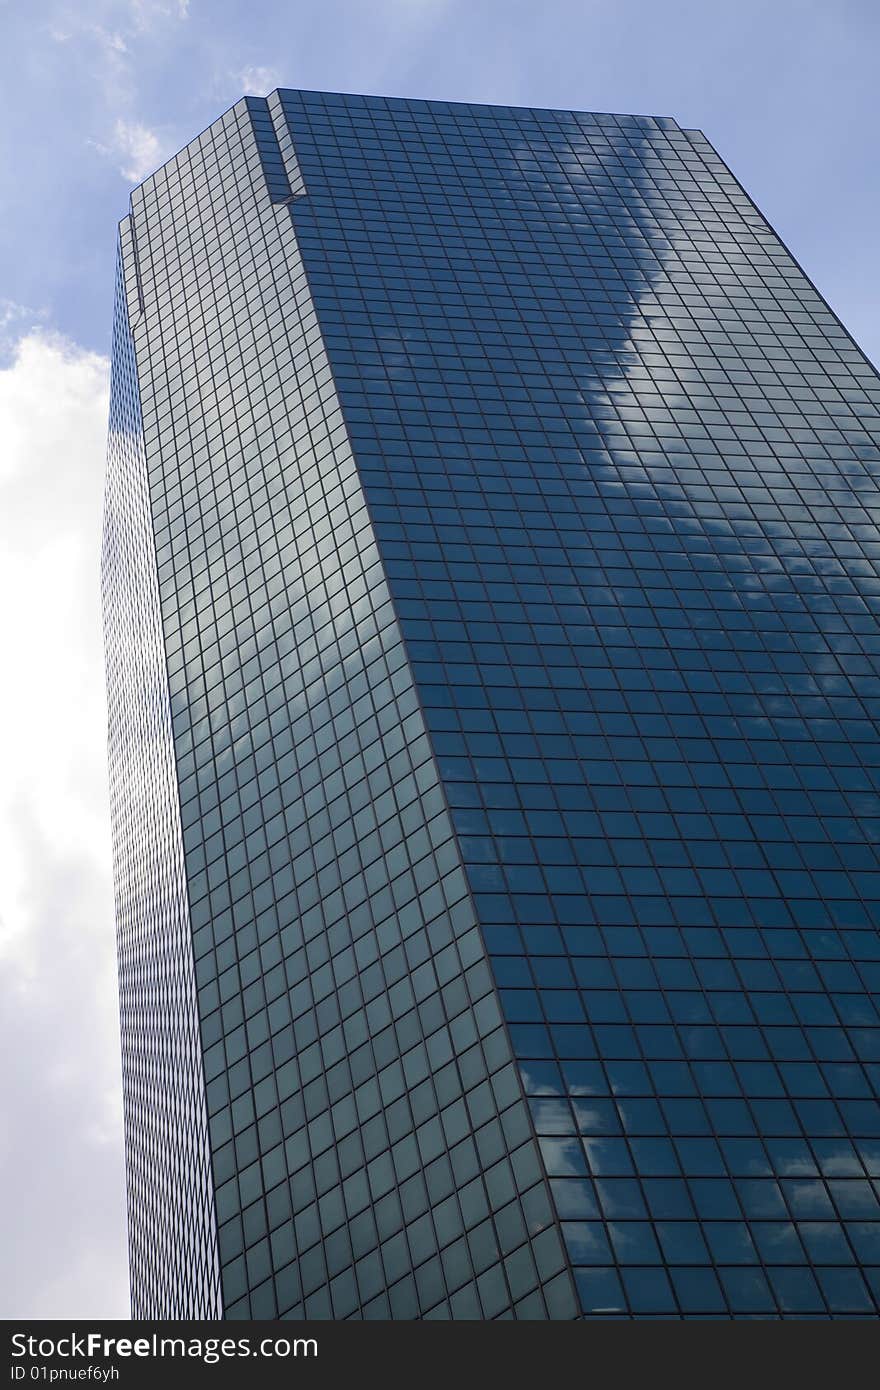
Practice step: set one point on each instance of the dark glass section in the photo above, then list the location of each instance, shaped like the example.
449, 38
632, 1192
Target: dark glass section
372, 1150
621, 462
172, 1234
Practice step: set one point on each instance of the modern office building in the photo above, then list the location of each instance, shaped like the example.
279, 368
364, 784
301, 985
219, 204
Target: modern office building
492, 591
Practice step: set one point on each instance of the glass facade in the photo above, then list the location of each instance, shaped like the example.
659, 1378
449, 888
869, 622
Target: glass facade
172, 1229
511, 496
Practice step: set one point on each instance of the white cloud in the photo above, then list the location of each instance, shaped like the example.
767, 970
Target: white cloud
108, 54
137, 149
110, 40
147, 13
15, 319
61, 1126
255, 81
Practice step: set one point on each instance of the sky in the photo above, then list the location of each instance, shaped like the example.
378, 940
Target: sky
97, 93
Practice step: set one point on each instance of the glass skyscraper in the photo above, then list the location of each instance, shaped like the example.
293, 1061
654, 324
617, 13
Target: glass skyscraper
492, 582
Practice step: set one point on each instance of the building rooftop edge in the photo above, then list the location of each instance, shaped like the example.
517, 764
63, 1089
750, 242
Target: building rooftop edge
400, 101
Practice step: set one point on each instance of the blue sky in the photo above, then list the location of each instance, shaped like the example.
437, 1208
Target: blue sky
96, 94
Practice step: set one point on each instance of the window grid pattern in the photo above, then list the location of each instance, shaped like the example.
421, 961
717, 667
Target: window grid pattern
372, 1150
621, 461
172, 1232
